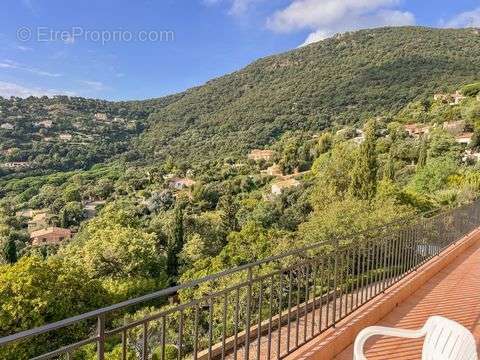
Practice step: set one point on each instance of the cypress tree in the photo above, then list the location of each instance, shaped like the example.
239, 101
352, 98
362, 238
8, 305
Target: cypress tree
422, 155
10, 251
364, 174
389, 172
175, 245
229, 211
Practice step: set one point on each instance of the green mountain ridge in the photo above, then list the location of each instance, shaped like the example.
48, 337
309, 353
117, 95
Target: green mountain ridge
342, 80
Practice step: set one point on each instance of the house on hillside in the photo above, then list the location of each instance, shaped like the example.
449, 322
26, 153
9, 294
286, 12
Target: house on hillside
258, 154
100, 117
471, 155
180, 183
464, 138
44, 123
274, 170
28, 213
279, 186
441, 97
451, 99
457, 98
7, 126
65, 137
8, 151
16, 165
50, 236
454, 127
417, 130
38, 221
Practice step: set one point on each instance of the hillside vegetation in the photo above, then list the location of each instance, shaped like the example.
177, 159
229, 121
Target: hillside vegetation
342, 80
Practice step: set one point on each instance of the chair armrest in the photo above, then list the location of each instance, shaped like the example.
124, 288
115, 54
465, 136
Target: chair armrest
366, 333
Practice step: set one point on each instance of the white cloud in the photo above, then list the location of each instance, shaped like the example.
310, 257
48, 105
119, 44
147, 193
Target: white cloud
327, 17
465, 19
9, 64
8, 89
94, 85
23, 48
237, 7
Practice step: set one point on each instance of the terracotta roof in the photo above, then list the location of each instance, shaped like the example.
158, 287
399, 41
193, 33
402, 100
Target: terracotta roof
50, 230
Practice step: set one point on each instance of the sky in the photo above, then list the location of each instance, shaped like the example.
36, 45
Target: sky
124, 49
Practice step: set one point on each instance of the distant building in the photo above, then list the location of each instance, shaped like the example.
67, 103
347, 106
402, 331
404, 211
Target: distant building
454, 127
7, 126
279, 186
16, 165
28, 213
8, 151
100, 117
441, 97
417, 130
38, 221
451, 99
44, 123
65, 137
181, 183
457, 98
258, 154
274, 170
464, 138
50, 236
471, 155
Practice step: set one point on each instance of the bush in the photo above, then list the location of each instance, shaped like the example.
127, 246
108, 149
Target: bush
471, 89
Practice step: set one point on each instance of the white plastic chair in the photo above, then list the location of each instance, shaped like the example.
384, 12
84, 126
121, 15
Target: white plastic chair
444, 340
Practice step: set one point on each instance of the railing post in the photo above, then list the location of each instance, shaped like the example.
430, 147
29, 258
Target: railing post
335, 275
247, 320
101, 337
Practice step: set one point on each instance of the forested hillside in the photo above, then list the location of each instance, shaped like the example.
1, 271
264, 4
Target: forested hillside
341, 80
42, 135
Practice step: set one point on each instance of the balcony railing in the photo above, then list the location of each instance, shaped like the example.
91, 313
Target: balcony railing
265, 309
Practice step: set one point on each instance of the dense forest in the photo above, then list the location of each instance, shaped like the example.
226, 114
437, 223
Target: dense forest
349, 135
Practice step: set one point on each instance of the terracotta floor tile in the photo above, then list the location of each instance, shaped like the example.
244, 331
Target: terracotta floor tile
453, 293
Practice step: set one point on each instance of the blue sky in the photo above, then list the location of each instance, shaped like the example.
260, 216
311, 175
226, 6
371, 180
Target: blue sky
124, 49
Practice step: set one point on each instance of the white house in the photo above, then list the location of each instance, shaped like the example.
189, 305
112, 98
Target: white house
7, 126
181, 183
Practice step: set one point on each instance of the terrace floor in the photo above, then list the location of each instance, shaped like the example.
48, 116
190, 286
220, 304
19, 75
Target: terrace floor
454, 293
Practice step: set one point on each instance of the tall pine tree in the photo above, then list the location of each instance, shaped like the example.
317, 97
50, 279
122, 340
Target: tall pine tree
10, 251
175, 245
364, 174
389, 171
422, 155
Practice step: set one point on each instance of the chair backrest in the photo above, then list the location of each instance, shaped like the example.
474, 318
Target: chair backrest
447, 340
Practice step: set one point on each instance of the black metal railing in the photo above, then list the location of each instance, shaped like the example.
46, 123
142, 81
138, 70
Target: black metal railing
265, 309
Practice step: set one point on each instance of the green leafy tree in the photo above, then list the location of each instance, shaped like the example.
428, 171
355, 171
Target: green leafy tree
71, 214
422, 155
10, 251
175, 245
116, 251
35, 292
364, 174
389, 170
